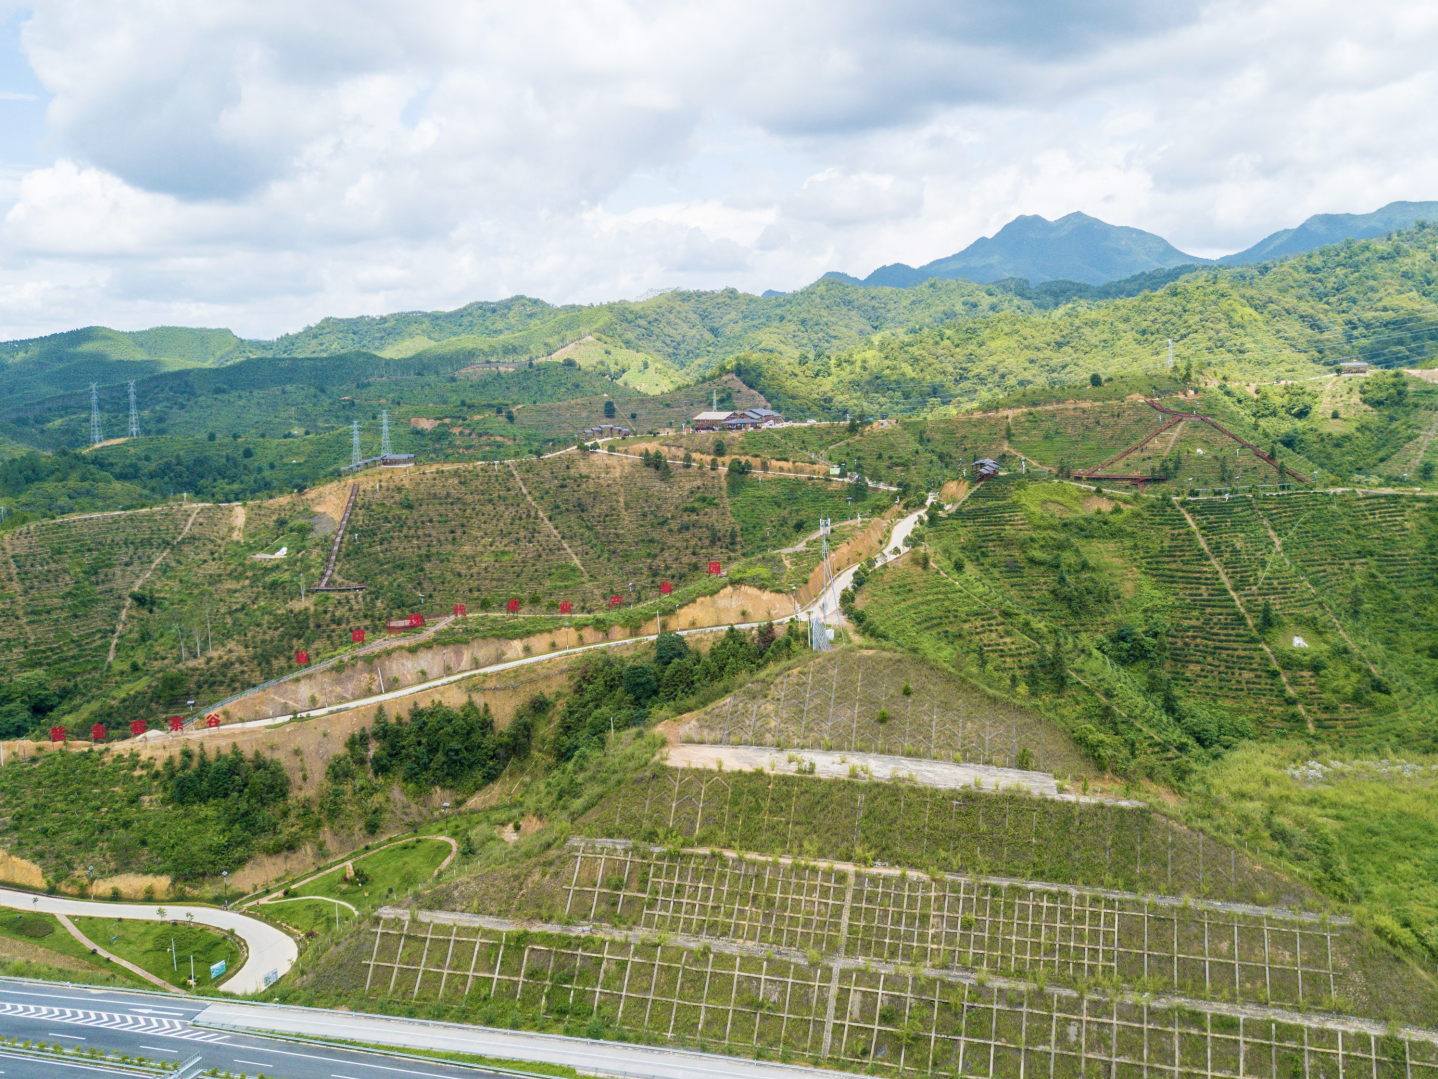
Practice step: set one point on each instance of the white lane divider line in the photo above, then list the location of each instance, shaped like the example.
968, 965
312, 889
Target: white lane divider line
134, 1024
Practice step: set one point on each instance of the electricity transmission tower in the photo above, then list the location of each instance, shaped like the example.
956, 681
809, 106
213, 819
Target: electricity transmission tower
134, 414
355, 457
384, 446
95, 436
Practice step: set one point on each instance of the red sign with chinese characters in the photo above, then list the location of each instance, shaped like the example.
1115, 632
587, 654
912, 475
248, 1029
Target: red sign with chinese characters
513, 606
57, 734
459, 610
665, 588
614, 601
357, 636
565, 606
137, 727
98, 732
212, 720
302, 658
714, 569
176, 723
416, 619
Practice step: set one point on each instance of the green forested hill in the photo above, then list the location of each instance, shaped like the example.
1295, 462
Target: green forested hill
68, 362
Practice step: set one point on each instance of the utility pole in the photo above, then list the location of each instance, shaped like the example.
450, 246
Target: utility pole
355, 457
1170, 351
134, 413
95, 436
384, 446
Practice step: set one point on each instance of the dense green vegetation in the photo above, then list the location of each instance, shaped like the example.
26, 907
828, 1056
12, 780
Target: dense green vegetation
71, 811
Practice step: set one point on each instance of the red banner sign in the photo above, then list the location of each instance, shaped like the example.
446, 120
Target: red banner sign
212, 720
513, 606
416, 619
57, 734
176, 723
98, 732
302, 658
137, 727
565, 606
614, 601
665, 588
714, 569
357, 636
459, 610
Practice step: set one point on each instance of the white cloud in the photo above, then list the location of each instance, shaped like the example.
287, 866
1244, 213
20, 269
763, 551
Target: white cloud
263, 164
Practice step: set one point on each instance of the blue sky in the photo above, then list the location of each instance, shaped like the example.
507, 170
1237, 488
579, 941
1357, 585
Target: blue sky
263, 165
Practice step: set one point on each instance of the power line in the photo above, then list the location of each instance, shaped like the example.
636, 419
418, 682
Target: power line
355, 456
384, 446
134, 414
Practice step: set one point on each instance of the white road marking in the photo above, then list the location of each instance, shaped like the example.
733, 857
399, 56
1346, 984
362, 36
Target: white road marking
134, 1024
72, 1037
256, 1063
362, 1064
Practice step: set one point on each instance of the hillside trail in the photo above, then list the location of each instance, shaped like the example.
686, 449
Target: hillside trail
1423, 446
125, 609
1278, 546
1282, 676
71, 928
548, 524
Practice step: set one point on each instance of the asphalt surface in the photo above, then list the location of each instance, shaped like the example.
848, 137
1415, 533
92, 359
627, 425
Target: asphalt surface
271, 951
157, 1025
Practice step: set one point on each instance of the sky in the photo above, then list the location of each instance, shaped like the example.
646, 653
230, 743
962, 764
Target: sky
261, 165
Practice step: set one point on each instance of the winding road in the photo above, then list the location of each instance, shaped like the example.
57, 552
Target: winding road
270, 950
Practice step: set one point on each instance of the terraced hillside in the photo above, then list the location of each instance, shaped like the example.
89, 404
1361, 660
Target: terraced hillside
67, 582
895, 929
888, 703
1218, 618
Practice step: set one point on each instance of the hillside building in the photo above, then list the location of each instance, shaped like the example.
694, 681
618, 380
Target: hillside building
985, 467
743, 420
1353, 367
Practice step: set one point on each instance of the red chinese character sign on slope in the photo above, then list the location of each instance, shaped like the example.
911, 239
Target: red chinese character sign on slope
714, 569
302, 658
98, 732
176, 723
459, 610
137, 727
513, 606
357, 636
212, 720
57, 734
565, 606
416, 619
614, 601
665, 588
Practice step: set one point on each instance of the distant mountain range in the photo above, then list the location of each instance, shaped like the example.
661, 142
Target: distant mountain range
1081, 248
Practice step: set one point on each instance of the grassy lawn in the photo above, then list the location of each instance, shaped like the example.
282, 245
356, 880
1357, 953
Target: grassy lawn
147, 945
45, 932
392, 872
308, 915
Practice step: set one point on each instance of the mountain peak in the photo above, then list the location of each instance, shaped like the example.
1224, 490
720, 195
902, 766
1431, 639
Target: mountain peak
1075, 247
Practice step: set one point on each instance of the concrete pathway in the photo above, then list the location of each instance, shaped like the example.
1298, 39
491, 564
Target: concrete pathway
271, 951
112, 957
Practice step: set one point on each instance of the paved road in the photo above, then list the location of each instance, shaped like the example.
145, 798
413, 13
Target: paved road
158, 1026
270, 949
608, 1058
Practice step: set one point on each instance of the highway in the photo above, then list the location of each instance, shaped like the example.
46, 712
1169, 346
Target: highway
240, 1038
158, 1026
